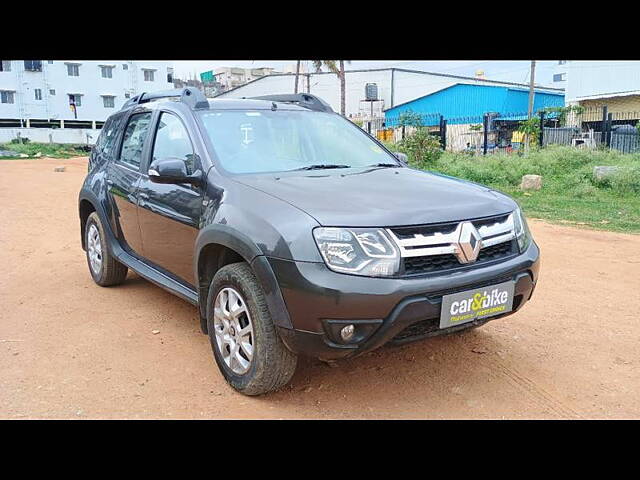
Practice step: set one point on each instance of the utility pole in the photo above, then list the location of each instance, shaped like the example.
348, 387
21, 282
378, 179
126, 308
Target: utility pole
531, 95
531, 85
295, 90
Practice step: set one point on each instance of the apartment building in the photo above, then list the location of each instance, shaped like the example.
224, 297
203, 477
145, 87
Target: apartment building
73, 93
232, 77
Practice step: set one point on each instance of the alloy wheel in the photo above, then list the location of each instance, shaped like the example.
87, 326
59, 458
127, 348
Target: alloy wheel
233, 330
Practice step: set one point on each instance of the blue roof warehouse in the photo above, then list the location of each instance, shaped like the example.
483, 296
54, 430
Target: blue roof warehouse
466, 103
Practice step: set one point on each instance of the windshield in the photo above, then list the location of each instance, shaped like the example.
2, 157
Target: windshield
274, 141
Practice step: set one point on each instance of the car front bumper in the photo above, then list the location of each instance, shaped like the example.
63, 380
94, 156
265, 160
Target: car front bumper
384, 310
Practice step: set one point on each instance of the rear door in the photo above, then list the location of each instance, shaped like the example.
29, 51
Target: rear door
169, 215
124, 178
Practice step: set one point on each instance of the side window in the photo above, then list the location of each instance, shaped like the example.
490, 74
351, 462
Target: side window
134, 137
105, 133
107, 141
172, 141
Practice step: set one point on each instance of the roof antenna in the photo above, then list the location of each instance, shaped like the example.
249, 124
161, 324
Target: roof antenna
274, 106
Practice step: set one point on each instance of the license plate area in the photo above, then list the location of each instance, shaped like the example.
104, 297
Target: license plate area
483, 302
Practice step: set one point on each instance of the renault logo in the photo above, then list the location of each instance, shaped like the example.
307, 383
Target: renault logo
470, 243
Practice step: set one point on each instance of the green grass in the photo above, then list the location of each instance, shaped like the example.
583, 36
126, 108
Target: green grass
54, 150
569, 193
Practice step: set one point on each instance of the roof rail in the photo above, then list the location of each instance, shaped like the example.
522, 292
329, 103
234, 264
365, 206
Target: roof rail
302, 99
191, 96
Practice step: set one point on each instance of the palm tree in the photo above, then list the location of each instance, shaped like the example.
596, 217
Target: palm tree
339, 71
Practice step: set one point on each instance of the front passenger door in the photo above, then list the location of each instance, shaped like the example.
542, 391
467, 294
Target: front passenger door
169, 215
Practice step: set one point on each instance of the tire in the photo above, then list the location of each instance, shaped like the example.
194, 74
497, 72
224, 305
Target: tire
108, 271
271, 364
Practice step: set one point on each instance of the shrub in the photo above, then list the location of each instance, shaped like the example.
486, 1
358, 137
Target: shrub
422, 148
626, 180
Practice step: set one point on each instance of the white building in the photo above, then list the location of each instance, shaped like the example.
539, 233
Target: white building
588, 81
232, 77
39, 93
560, 74
394, 86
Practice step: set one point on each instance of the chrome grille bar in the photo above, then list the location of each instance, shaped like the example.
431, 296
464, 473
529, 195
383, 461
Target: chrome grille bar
438, 243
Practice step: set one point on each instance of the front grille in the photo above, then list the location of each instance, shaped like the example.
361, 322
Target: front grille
429, 263
439, 263
418, 329
439, 247
497, 252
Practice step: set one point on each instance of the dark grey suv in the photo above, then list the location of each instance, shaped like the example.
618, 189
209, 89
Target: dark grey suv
294, 232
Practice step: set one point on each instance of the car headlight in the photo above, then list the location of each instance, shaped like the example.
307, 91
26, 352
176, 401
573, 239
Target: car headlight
523, 235
358, 251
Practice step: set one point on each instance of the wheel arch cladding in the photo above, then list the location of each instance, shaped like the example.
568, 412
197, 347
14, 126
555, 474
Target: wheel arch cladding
86, 208
220, 245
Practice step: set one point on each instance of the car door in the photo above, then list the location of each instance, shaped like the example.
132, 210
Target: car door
169, 215
124, 177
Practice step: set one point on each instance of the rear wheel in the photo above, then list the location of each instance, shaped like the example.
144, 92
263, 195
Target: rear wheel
104, 268
245, 344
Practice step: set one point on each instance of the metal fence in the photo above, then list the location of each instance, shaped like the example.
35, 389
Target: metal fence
500, 131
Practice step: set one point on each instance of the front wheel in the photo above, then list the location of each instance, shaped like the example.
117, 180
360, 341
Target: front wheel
245, 344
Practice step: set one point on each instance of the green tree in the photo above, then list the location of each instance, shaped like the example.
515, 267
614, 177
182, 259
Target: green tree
410, 119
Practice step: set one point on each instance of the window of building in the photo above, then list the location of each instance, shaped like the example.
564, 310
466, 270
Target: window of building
125, 66
50, 62
134, 137
73, 69
107, 72
5, 65
6, 96
33, 65
559, 77
148, 75
169, 75
52, 92
127, 95
38, 94
108, 101
561, 62
172, 141
76, 99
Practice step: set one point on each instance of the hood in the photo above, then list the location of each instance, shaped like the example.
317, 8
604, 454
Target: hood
381, 197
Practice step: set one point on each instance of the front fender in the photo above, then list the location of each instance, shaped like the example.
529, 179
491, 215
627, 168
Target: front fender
237, 241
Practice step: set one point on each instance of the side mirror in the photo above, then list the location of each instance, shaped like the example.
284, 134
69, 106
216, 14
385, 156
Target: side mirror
402, 157
173, 170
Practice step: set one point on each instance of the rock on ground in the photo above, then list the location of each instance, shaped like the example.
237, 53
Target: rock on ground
531, 182
603, 172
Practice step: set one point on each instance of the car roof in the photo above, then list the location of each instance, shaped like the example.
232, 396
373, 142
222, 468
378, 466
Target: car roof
252, 104
229, 104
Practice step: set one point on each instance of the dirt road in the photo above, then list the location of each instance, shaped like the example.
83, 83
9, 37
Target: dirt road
70, 349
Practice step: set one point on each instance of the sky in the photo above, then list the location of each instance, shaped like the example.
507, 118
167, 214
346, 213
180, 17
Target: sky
505, 70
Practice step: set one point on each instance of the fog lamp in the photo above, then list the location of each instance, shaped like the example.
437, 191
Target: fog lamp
347, 332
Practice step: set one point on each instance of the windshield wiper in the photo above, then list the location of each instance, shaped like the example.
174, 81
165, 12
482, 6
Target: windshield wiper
385, 165
320, 166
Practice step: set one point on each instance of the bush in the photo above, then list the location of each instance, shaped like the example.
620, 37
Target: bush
422, 148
